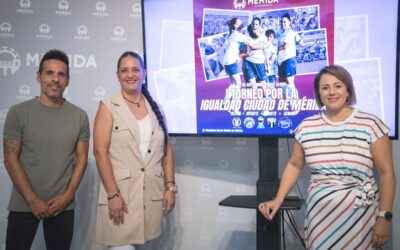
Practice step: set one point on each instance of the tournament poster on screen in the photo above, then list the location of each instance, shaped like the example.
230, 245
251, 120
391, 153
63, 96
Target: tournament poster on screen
255, 62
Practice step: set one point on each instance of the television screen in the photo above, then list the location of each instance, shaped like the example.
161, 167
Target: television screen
214, 66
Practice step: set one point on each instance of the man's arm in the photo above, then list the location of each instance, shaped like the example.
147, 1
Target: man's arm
11, 151
58, 203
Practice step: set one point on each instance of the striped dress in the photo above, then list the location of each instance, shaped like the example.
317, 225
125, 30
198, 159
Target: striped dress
342, 200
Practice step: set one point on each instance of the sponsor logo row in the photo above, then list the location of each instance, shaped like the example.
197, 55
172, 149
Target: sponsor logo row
63, 8
262, 122
45, 32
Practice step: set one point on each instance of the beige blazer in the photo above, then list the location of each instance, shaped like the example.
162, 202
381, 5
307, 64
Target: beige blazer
141, 181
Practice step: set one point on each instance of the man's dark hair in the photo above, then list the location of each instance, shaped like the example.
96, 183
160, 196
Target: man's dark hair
54, 54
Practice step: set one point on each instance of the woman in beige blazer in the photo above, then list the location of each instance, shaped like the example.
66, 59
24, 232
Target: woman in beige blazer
135, 162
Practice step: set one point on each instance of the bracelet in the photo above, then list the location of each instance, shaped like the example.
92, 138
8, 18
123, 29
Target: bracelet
173, 189
172, 182
113, 195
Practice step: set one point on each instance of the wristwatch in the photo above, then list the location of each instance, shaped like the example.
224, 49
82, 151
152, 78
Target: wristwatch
386, 215
172, 188
112, 195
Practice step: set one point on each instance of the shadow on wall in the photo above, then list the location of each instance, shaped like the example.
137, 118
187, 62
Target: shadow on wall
85, 213
218, 158
169, 239
86, 209
236, 240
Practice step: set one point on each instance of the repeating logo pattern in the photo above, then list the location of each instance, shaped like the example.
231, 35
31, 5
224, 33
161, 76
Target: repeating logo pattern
25, 7
10, 60
44, 32
99, 94
5, 27
187, 214
240, 188
223, 165
3, 115
204, 236
136, 10
44, 28
2, 167
5, 30
118, 34
25, 4
241, 141
206, 144
223, 214
172, 139
101, 9
24, 93
206, 141
24, 90
205, 190
188, 167
63, 8
82, 33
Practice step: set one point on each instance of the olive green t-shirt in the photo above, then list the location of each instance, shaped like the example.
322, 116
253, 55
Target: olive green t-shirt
48, 141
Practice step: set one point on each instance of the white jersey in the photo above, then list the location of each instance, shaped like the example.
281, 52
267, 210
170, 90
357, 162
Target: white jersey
270, 51
235, 39
257, 55
289, 39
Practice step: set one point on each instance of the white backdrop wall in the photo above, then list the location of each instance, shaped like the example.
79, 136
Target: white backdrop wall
94, 33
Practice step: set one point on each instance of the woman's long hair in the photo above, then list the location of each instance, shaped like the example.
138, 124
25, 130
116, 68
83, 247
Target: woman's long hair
250, 28
147, 95
231, 24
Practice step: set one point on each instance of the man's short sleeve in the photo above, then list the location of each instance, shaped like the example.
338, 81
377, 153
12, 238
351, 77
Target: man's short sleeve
12, 127
85, 129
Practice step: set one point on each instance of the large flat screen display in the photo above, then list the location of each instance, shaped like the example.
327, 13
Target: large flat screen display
214, 66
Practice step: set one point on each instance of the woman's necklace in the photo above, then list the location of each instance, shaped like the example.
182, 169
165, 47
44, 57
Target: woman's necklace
136, 103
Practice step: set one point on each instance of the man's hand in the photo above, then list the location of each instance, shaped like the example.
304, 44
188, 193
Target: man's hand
39, 209
57, 204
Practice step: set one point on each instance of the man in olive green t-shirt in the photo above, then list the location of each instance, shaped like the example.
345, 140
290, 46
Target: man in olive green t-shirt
46, 142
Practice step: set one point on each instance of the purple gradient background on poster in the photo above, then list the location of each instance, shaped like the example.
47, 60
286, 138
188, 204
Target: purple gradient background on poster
215, 89
169, 23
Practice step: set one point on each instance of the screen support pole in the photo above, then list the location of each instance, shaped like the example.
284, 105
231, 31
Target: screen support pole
268, 233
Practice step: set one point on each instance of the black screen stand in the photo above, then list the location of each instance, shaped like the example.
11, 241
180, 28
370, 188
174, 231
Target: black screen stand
268, 233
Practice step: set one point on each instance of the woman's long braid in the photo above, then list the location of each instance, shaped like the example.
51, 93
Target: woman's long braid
158, 113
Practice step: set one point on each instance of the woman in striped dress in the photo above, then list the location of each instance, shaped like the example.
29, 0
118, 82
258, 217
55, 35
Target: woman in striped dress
345, 207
